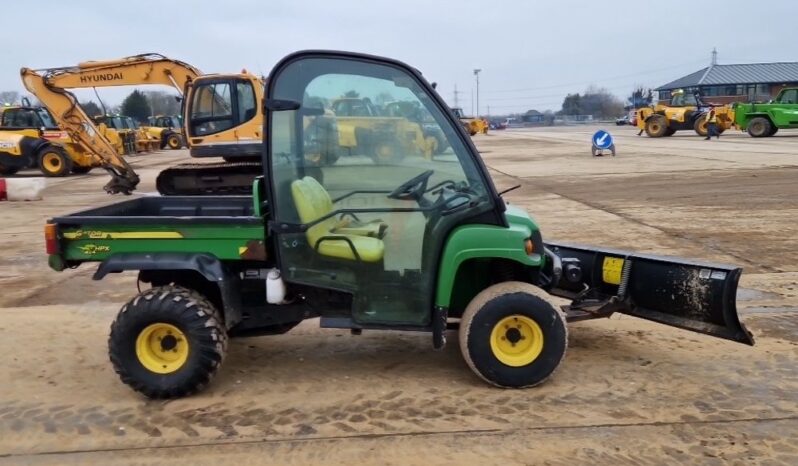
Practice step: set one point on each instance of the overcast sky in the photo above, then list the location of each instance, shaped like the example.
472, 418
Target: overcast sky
531, 52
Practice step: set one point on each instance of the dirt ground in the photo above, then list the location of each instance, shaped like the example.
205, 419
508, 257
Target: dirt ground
629, 392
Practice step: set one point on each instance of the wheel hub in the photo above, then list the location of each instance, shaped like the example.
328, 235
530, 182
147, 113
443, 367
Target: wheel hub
516, 340
162, 348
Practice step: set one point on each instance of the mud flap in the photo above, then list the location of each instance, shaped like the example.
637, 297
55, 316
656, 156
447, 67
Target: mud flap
678, 292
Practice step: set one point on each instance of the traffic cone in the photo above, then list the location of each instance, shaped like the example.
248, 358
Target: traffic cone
21, 189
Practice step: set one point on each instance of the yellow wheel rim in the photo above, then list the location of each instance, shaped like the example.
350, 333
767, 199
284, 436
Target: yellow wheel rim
516, 340
385, 152
51, 162
162, 348
315, 159
174, 143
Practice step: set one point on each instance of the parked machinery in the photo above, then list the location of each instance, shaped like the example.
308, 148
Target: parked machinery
765, 119
473, 125
168, 129
225, 119
41, 144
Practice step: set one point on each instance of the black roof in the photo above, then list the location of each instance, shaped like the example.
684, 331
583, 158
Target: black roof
752, 73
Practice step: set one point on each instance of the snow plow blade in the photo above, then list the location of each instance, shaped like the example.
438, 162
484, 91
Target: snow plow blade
678, 292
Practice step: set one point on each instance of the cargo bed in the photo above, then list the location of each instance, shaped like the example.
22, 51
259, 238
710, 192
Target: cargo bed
227, 227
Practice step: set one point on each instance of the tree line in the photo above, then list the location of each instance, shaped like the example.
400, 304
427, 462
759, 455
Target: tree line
599, 103
138, 104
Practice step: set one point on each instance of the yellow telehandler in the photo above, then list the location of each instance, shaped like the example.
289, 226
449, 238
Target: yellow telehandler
41, 143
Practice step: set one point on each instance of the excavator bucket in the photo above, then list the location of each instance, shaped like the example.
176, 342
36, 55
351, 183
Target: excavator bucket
682, 293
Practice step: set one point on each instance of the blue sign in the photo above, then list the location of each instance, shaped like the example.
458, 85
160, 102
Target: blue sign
602, 140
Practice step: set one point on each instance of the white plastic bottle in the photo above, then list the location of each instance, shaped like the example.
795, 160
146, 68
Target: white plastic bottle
275, 287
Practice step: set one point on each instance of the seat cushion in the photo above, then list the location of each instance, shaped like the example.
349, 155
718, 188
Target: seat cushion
313, 202
369, 249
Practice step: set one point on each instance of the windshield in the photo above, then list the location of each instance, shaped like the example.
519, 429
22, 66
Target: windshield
46, 118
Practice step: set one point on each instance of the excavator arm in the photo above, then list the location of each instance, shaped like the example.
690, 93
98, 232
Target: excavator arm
63, 105
50, 87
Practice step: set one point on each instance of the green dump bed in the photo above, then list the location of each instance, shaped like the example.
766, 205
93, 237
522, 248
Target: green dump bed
224, 226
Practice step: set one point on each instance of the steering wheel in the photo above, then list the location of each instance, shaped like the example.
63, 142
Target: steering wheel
412, 188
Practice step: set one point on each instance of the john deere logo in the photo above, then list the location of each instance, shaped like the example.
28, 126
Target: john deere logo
95, 78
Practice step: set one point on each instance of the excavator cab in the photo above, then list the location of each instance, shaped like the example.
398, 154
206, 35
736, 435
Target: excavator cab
221, 116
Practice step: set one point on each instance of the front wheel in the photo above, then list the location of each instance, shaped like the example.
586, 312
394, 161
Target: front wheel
174, 141
54, 162
167, 342
656, 126
759, 127
512, 335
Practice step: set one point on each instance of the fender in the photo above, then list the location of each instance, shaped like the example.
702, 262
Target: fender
487, 241
205, 264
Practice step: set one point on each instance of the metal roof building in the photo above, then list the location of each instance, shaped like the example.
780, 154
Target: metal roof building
742, 82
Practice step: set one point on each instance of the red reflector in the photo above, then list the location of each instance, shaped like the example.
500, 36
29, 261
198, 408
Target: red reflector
51, 238
3, 190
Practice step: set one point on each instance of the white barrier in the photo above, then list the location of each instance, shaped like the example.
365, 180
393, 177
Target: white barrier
22, 189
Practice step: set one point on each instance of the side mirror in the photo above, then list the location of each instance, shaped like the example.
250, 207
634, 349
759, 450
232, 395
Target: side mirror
311, 111
280, 105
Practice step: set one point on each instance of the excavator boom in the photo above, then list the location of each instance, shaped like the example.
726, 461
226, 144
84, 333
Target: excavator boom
50, 87
149, 68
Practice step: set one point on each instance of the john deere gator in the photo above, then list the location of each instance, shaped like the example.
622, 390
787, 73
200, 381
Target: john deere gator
424, 245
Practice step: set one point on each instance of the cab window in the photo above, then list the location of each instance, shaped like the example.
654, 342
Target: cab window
212, 109
247, 106
21, 118
790, 97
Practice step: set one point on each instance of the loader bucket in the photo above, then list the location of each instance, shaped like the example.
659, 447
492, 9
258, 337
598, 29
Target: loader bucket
682, 293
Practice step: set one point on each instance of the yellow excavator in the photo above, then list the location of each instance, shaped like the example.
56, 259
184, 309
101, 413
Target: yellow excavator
222, 118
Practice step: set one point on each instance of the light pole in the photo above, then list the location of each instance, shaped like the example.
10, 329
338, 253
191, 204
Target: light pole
476, 75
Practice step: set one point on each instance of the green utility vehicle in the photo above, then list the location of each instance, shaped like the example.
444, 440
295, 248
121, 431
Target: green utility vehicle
765, 119
416, 245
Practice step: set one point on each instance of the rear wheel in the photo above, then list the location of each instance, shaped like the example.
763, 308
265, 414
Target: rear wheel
656, 126
8, 170
512, 335
387, 151
759, 127
174, 141
167, 342
700, 126
54, 162
79, 170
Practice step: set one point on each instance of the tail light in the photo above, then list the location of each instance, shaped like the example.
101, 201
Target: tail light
51, 238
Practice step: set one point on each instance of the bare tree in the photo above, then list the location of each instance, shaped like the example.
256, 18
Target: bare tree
9, 97
162, 103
